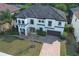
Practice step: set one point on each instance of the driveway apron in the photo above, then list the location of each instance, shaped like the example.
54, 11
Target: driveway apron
50, 49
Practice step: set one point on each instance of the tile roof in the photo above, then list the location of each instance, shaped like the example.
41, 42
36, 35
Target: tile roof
42, 11
4, 7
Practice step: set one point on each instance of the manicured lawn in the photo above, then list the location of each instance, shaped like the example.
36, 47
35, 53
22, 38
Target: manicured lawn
15, 46
63, 49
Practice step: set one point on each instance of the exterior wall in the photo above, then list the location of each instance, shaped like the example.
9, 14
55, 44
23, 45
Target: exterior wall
75, 24
44, 25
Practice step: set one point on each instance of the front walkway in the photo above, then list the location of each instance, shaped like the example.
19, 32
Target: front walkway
50, 49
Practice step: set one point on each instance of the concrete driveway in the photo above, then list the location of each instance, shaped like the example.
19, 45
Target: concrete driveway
51, 49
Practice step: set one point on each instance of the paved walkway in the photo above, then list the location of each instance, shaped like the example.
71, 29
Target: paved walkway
51, 49
4, 54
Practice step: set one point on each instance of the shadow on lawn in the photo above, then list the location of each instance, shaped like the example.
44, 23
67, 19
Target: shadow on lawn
9, 38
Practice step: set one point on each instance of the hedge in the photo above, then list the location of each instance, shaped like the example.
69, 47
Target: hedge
41, 33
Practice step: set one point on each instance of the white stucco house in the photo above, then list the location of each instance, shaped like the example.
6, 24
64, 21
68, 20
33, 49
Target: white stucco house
41, 17
75, 22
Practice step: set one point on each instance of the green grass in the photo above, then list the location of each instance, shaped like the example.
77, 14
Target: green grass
71, 45
15, 46
63, 49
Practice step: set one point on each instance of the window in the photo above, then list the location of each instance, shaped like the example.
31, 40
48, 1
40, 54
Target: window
39, 21
49, 23
41, 29
59, 23
75, 19
31, 22
22, 31
42, 21
22, 22
19, 21
16, 21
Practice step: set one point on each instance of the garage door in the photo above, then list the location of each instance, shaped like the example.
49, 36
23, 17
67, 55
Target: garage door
55, 33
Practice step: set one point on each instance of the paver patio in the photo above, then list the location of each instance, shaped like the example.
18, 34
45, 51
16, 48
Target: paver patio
51, 49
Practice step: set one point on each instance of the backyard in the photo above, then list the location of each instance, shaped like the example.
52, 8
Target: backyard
19, 47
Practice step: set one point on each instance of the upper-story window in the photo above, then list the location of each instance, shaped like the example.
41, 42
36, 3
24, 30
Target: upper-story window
19, 21
31, 21
41, 21
59, 23
49, 23
22, 21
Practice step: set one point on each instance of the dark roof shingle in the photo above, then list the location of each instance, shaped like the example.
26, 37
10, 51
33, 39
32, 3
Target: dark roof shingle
41, 11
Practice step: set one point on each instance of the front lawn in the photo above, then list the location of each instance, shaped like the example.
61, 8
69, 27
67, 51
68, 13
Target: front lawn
16, 46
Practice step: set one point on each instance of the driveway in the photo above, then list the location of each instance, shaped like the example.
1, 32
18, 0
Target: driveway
51, 49
47, 39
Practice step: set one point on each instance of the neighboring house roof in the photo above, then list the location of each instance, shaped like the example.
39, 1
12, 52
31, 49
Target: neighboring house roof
76, 9
77, 14
42, 11
11, 8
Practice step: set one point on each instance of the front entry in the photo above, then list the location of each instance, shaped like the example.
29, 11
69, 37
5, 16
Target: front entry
22, 31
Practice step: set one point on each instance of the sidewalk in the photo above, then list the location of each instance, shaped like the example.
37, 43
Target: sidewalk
4, 54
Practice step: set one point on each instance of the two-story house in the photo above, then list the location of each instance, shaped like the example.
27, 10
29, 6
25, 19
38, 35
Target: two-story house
75, 22
41, 17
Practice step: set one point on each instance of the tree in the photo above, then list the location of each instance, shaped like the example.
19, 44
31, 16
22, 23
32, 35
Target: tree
6, 15
61, 6
25, 6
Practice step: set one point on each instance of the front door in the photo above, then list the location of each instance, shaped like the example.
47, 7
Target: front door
22, 31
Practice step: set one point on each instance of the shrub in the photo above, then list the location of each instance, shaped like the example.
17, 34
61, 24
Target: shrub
41, 33
2, 33
71, 29
64, 36
68, 28
77, 50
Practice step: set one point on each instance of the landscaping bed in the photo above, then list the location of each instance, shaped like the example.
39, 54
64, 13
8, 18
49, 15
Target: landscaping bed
16, 46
